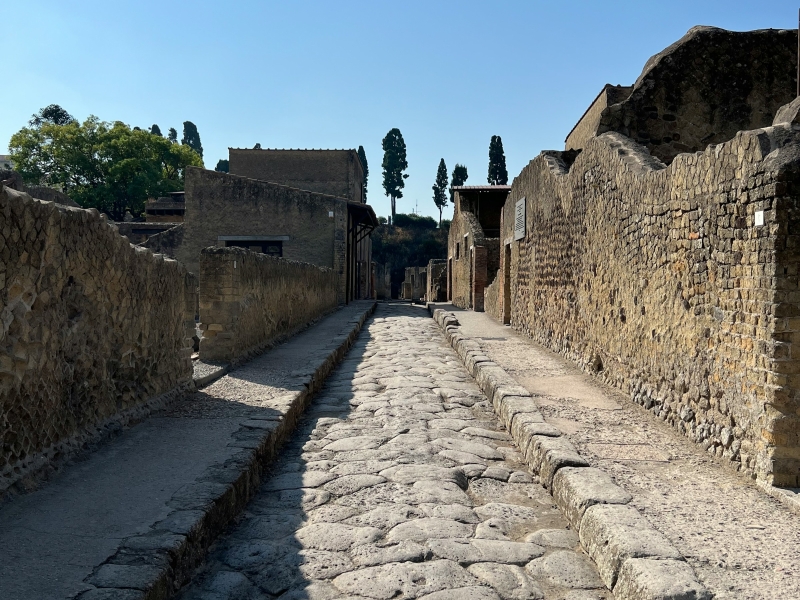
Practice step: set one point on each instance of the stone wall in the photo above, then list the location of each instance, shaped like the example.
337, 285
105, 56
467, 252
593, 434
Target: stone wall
92, 330
437, 280
167, 242
705, 87
221, 204
469, 252
249, 301
492, 298
332, 172
663, 282
586, 128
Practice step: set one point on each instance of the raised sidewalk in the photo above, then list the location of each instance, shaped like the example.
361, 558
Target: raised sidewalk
134, 518
740, 542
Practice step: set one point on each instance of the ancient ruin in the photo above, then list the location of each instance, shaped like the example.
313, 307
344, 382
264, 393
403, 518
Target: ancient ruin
674, 280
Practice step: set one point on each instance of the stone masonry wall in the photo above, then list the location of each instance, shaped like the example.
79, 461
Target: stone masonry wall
249, 301
465, 232
91, 330
437, 280
705, 87
586, 128
661, 282
221, 204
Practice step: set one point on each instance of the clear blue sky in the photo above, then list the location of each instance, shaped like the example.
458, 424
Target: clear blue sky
341, 73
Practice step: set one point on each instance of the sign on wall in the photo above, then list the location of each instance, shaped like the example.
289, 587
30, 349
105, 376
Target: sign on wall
519, 219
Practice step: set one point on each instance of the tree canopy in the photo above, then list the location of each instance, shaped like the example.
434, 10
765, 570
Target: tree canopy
460, 177
222, 165
394, 163
172, 135
498, 175
440, 188
155, 129
191, 137
108, 166
53, 115
363, 158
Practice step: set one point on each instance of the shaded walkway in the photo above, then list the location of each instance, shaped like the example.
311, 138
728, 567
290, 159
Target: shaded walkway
116, 522
399, 483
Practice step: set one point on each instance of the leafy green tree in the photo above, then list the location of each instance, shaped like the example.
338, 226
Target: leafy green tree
108, 166
460, 177
52, 114
440, 189
156, 130
172, 135
362, 156
191, 137
222, 165
497, 162
394, 163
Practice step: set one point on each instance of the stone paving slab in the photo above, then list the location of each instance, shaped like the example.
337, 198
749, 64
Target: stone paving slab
612, 533
131, 520
400, 483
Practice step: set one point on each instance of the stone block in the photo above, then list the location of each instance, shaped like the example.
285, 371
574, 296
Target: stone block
577, 489
614, 533
655, 579
546, 455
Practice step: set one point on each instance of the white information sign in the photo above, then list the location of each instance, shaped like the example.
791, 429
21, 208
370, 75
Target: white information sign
519, 219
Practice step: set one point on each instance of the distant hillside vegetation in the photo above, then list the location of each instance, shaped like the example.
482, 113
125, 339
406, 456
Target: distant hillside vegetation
411, 242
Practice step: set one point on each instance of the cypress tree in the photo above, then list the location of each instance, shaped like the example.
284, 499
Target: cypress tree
498, 175
440, 189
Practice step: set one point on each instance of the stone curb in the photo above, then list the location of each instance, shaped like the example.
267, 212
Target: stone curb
634, 559
207, 373
156, 564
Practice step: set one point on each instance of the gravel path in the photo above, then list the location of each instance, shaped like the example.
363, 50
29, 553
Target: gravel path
742, 544
399, 483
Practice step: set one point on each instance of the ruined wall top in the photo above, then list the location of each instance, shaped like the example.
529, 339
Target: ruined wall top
705, 88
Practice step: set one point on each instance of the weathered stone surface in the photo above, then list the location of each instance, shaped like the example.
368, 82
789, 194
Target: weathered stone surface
565, 569
466, 593
510, 581
554, 538
612, 534
293, 481
398, 519
404, 580
423, 529
576, 489
547, 455
93, 331
653, 579
335, 536
467, 552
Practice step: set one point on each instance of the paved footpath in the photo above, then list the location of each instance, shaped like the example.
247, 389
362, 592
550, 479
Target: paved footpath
399, 483
742, 544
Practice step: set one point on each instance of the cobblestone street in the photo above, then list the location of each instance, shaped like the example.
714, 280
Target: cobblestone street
399, 483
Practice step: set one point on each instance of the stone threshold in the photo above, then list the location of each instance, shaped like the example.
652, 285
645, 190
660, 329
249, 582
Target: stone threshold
635, 561
156, 564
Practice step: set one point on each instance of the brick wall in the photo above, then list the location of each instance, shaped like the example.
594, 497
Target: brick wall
660, 281
91, 330
249, 301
